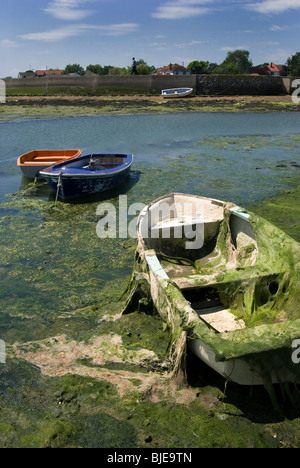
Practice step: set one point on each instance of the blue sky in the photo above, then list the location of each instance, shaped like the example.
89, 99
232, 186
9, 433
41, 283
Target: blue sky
36, 34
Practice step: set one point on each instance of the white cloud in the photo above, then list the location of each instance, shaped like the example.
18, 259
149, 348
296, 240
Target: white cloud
180, 9
53, 35
117, 29
8, 43
278, 28
68, 10
183, 45
274, 6
159, 46
59, 34
232, 49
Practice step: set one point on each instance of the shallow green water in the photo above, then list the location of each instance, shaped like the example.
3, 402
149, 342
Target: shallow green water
58, 278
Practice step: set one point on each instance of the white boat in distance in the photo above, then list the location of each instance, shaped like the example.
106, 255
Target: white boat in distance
176, 92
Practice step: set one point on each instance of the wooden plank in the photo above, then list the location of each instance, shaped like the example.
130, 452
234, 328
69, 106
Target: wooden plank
221, 319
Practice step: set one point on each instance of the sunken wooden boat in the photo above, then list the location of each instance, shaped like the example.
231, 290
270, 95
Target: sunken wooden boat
33, 162
87, 175
176, 92
226, 282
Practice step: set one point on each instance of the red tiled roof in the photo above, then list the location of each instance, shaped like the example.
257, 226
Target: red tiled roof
266, 69
48, 72
172, 68
273, 67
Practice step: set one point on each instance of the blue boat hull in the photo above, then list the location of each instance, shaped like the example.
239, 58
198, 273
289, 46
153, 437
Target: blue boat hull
76, 186
88, 175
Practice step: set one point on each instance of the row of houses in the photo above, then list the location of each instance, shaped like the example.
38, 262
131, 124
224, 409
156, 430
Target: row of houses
39, 73
167, 70
264, 70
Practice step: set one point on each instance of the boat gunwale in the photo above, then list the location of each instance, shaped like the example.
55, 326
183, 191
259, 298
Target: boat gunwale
48, 172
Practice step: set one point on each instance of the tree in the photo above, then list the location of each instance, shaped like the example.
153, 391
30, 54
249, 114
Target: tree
75, 68
142, 68
236, 62
294, 64
229, 68
198, 67
116, 71
99, 70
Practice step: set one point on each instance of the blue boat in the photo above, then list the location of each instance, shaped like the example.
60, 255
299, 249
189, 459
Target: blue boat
87, 175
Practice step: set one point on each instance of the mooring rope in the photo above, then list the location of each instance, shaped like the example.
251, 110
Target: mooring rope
59, 184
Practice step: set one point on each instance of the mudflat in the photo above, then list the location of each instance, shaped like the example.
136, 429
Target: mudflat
149, 104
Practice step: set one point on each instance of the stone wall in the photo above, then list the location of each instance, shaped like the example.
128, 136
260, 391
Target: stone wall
235, 85
203, 84
147, 82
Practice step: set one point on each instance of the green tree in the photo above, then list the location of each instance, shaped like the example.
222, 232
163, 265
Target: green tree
227, 69
142, 68
236, 62
198, 67
75, 68
116, 71
99, 70
294, 64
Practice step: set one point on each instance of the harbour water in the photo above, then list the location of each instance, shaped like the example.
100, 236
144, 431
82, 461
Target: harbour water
240, 150
57, 278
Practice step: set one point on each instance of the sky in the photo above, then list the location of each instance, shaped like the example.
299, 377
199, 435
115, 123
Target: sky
41, 34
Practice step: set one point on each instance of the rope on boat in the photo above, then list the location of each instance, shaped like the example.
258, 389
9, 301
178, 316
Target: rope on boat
59, 184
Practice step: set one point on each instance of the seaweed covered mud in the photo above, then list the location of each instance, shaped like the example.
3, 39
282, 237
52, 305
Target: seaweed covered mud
232, 293
28, 104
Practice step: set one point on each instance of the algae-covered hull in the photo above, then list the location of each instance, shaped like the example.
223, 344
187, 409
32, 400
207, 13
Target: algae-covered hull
227, 281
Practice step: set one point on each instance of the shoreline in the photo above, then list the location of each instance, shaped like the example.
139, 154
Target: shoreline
76, 106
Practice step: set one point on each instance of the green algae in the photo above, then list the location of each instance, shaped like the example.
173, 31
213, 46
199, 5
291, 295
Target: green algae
121, 104
42, 243
79, 412
284, 210
59, 413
